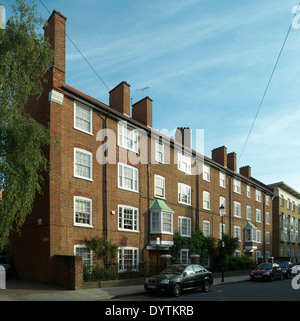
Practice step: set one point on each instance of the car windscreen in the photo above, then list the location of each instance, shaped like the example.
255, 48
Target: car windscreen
264, 267
284, 264
175, 269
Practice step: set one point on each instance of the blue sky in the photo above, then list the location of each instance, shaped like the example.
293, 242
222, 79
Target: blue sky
206, 63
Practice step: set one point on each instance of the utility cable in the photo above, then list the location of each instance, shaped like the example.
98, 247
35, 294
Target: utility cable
270, 79
82, 55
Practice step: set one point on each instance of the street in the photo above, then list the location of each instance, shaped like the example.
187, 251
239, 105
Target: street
242, 291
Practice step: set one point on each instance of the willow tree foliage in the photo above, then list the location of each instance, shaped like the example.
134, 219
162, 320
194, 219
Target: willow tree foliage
25, 56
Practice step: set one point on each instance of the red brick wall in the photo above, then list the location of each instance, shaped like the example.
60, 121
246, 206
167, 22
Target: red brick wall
67, 271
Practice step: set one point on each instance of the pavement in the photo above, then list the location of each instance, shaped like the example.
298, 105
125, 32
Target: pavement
22, 290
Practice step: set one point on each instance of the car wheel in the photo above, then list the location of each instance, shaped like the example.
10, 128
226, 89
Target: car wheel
281, 276
272, 278
177, 289
205, 286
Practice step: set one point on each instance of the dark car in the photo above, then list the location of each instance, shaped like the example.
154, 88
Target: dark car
266, 271
178, 277
286, 269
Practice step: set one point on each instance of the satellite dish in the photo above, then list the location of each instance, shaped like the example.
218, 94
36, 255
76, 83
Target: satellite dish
2, 17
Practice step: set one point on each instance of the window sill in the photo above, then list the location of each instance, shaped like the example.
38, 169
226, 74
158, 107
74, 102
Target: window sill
84, 178
130, 231
128, 190
184, 203
83, 131
83, 225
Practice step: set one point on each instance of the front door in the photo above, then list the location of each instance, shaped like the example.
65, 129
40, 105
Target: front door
153, 262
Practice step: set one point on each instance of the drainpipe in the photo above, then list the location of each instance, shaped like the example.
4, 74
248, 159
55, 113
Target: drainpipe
148, 191
105, 210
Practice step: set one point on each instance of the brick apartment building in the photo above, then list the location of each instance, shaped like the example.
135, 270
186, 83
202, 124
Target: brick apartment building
131, 202
286, 217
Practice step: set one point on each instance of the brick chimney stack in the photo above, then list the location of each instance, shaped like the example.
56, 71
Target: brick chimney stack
231, 161
219, 155
183, 136
245, 171
142, 111
119, 98
55, 31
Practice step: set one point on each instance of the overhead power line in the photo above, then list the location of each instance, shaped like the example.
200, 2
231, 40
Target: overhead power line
82, 55
268, 84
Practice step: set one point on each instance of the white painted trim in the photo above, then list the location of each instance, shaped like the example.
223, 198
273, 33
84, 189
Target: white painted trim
56, 97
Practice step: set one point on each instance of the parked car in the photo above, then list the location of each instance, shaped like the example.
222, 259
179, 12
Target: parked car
266, 271
6, 265
295, 270
286, 269
178, 277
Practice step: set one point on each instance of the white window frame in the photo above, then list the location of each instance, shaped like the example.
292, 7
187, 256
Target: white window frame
187, 221
258, 215
184, 163
87, 200
237, 253
159, 151
237, 209
267, 237
82, 151
184, 194
160, 224
206, 200
258, 236
87, 256
156, 181
222, 179
184, 259
248, 212
267, 199
258, 195
80, 105
250, 232
122, 263
248, 191
134, 219
257, 255
237, 186
237, 232
206, 228
128, 134
206, 172
135, 178
267, 218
